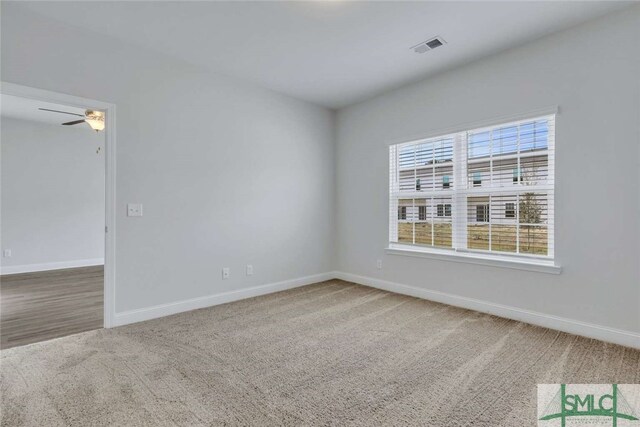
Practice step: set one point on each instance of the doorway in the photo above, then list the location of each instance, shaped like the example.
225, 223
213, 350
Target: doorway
57, 215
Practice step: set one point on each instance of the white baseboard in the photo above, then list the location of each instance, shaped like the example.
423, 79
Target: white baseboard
31, 268
148, 313
589, 330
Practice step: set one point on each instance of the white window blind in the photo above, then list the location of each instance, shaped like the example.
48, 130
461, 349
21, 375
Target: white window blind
488, 190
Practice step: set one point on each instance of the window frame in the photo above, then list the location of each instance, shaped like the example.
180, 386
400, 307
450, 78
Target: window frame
477, 179
422, 213
463, 186
443, 210
446, 182
517, 175
483, 213
402, 213
510, 210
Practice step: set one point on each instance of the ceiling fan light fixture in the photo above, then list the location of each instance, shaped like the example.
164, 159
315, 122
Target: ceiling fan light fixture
95, 119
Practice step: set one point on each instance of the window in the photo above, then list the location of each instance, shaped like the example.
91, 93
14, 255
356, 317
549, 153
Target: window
477, 179
444, 209
482, 213
509, 210
422, 213
517, 176
402, 213
486, 190
445, 182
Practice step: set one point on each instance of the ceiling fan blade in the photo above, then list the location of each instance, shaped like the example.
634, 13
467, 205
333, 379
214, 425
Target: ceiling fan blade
75, 122
63, 112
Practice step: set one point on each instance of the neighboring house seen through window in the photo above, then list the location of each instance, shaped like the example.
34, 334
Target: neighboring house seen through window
488, 190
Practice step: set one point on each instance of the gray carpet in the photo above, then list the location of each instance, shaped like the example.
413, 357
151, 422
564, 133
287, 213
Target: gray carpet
333, 353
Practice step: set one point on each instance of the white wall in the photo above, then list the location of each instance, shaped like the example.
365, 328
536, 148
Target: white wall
228, 173
52, 195
592, 72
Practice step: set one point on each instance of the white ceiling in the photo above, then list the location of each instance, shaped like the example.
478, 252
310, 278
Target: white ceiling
332, 53
28, 109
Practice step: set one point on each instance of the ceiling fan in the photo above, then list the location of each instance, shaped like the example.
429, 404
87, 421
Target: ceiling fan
93, 118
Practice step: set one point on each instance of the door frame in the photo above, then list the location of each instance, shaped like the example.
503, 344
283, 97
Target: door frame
110, 177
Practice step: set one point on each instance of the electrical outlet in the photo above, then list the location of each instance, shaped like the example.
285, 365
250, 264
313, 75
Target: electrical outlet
226, 272
134, 209
379, 264
7, 253
249, 270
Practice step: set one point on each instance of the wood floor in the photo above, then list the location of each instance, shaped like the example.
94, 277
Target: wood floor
50, 304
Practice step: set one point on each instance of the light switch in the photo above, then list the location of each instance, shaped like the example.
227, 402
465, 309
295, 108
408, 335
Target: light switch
134, 209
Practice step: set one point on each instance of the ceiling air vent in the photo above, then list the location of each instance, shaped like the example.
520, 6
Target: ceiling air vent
428, 45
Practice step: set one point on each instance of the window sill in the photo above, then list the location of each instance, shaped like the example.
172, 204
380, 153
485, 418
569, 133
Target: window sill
540, 266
